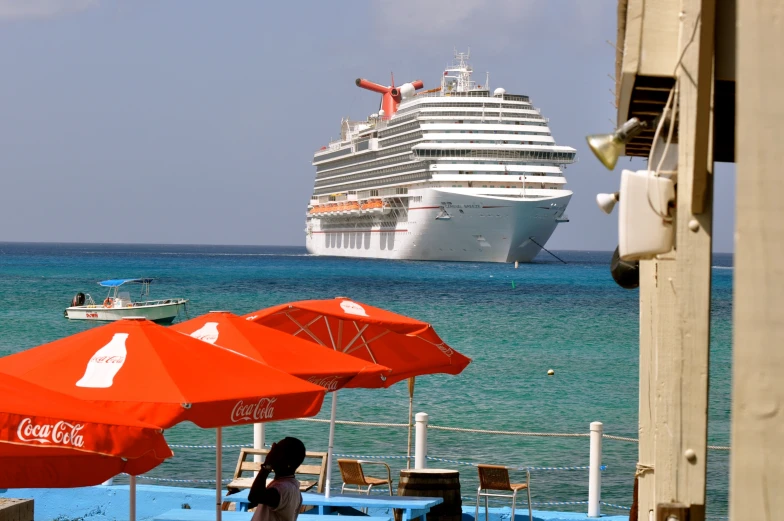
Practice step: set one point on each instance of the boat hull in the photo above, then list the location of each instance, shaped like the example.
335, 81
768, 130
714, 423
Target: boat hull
446, 225
161, 313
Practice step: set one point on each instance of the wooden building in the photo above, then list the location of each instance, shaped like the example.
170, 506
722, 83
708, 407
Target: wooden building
727, 59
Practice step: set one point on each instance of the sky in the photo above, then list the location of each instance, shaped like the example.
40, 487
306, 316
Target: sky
195, 122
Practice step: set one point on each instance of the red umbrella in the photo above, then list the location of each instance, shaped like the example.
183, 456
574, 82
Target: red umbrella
163, 377
300, 358
407, 346
330, 369
52, 440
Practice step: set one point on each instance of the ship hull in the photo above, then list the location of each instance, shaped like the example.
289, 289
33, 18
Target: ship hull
445, 225
160, 313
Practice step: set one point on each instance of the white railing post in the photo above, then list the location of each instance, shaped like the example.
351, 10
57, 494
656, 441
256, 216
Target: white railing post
595, 472
420, 455
258, 442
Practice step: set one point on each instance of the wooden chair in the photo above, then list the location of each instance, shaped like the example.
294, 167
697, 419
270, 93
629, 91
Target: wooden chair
310, 474
496, 477
351, 471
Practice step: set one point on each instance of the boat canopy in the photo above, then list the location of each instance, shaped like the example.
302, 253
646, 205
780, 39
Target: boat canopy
119, 282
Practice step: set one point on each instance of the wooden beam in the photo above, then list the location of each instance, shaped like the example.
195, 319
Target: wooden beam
656, 89
657, 296
682, 355
702, 71
756, 471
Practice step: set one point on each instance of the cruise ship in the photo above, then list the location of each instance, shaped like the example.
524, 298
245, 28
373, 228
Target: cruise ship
453, 173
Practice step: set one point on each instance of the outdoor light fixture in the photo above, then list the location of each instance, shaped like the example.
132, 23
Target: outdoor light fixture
607, 202
607, 147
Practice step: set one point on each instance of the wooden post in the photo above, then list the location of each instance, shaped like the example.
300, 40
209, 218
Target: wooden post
656, 298
658, 311
665, 343
12, 509
684, 329
756, 471
645, 490
682, 429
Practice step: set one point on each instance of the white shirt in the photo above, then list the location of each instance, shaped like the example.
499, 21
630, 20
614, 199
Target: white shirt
290, 502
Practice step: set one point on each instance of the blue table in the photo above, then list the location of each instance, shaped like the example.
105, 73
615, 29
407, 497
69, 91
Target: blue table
412, 507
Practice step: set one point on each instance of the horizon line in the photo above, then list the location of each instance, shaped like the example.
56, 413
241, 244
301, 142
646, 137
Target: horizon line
233, 245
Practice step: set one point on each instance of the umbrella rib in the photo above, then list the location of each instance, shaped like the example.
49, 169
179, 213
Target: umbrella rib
367, 343
367, 346
443, 347
305, 328
329, 331
359, 334
340, 334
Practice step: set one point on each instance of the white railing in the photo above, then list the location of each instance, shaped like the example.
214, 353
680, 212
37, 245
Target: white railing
420, 449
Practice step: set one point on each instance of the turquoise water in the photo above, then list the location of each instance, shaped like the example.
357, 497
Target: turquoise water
571, 318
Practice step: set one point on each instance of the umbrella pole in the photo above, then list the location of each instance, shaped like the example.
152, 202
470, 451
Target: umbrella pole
218, 477
132, 498
331, 442
410, 418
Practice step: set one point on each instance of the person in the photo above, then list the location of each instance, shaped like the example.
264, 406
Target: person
281, 499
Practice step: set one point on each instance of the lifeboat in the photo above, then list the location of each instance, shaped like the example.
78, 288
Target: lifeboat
353, 208
375, 206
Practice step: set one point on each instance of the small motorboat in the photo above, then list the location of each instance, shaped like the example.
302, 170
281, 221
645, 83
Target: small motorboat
118, 304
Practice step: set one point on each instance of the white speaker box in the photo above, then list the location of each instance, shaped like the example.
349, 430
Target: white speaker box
644, 225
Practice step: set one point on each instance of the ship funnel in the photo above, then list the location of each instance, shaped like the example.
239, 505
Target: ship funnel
391, 96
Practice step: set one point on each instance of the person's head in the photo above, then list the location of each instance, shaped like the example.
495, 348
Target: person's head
286, 455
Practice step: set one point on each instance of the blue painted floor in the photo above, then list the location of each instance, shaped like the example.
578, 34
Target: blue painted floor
111, 503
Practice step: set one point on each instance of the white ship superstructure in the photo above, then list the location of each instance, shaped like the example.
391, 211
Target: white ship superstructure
453, 173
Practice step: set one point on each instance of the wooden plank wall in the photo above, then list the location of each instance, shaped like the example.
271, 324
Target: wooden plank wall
757, 458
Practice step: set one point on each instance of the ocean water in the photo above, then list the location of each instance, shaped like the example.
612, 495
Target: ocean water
514, 323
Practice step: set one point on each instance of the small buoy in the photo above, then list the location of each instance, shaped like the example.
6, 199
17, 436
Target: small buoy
550, 372
516, 264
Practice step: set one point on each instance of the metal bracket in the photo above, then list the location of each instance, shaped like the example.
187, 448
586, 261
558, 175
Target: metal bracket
679, 512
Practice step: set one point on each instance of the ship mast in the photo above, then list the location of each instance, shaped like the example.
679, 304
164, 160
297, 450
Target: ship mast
457, 77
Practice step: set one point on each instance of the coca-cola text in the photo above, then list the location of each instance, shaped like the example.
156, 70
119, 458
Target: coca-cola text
61, 433
262, 410
108, 359
330, 383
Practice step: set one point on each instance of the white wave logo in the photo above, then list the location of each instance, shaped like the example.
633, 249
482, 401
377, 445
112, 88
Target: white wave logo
252, 317
207, 333
262, 410
352, 308
330, 383
448, 351
61, 433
